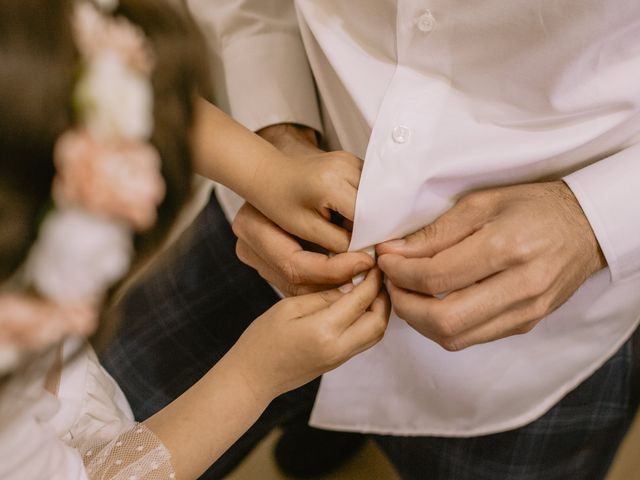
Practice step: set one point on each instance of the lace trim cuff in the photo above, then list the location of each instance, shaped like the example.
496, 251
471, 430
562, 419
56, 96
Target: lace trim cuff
136, 454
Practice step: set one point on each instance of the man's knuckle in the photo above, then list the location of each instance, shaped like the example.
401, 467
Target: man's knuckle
544, 307
326, 339
401, 309
431, 232
445, 326
239, 226
524, 329
497, 244
538, 309
379, 328
538, 281
522, 249
288, 271
241, 252
451, 344
433, 283
326, 296
475, 201
294, 290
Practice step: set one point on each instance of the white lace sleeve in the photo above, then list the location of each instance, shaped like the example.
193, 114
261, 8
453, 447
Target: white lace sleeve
136, 454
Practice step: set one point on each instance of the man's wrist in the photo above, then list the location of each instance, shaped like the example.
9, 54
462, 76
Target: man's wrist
291, 138
597, 256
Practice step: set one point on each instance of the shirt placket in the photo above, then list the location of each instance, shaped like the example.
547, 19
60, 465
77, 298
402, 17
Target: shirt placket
397, 162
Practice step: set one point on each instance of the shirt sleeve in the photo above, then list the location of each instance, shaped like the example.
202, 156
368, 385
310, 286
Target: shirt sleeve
609, 194
261, 75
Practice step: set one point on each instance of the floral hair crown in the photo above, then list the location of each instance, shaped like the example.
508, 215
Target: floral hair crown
107, 187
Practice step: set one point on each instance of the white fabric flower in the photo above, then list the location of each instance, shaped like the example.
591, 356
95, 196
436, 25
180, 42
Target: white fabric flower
78, 256
115, 100
10, 357
107, 5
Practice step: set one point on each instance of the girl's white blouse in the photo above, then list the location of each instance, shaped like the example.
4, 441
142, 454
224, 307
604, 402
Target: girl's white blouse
43, 436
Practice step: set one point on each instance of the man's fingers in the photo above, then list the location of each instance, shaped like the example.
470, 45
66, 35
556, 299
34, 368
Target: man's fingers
285, 256
461, 310
346, 310
454, 268
464, 218
262, 234
315, 268
246, 254
415, 309
517, 321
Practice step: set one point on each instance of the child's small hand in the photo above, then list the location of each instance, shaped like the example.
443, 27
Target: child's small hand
295, 197
303, 337
300, 192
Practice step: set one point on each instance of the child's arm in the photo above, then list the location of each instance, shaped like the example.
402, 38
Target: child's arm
294, 342
297, 193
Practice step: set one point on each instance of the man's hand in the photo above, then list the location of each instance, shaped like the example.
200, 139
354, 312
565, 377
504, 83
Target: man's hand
505, 258
280, 259
303, 198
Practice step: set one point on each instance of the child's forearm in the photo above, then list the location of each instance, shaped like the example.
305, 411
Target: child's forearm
228, 153
200, 425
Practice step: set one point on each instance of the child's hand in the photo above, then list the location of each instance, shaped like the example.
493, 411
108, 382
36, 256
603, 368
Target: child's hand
303, 337
300, 192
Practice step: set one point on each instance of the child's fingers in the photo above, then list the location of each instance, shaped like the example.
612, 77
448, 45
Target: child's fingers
343, 200
353, 177
328, 235
351, 306
367, 330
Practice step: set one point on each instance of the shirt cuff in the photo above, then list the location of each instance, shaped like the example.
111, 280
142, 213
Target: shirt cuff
609, 194
269, 81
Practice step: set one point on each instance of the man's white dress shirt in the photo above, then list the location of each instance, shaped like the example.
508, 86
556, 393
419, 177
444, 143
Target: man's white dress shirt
441, 97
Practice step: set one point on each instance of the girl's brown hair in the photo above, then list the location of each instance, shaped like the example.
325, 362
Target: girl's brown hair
39, 63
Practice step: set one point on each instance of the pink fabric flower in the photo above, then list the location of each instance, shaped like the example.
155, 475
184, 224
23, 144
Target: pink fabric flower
120, 180
95, 36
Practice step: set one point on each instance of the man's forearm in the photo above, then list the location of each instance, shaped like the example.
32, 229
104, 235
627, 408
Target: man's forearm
291, 138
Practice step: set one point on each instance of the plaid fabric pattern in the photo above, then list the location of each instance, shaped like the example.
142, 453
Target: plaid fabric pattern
575, 440
189, 310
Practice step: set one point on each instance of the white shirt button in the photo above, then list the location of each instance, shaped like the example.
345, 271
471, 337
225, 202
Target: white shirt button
426, 22
400, 134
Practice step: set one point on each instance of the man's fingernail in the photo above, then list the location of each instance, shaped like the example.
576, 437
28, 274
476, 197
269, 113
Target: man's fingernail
346, 288
396, 243
358, 279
